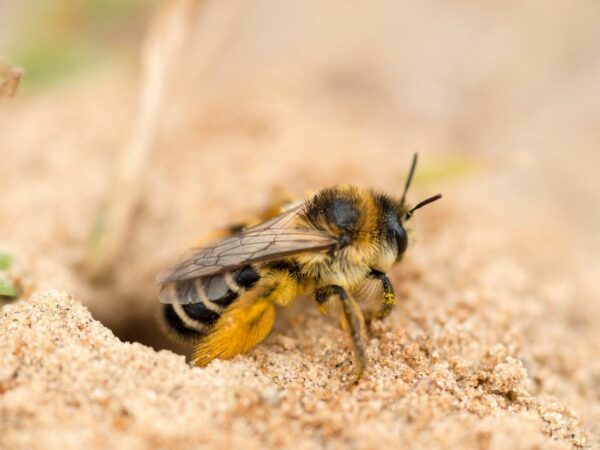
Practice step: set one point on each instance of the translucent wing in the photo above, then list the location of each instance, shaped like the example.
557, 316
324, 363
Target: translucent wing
269, 240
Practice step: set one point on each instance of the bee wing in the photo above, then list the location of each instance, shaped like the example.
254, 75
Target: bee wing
272, 239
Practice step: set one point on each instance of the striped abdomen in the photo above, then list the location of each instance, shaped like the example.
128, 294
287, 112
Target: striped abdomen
193, 306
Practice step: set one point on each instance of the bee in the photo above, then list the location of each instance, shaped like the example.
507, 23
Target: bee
222, 297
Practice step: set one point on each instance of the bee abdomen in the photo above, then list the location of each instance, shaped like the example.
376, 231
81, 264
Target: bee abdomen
194, 306
221, 290
178, 326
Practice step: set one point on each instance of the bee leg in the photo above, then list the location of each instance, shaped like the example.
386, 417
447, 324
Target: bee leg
241, 327
354, 318
388, 301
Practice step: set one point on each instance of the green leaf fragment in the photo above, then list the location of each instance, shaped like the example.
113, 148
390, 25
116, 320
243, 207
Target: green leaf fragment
449, 169
6, 261
7, 289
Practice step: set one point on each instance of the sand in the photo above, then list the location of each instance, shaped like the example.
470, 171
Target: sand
491, 346
67, 382
494, 343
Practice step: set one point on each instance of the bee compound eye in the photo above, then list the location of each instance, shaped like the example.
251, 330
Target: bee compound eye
401, 239
396, 232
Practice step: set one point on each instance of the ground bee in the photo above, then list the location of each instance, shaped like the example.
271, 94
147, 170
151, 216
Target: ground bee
222, 297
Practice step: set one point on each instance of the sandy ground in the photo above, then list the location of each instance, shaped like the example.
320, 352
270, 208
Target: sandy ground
494, 344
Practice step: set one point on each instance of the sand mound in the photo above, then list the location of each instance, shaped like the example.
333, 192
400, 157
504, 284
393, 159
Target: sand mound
67, 382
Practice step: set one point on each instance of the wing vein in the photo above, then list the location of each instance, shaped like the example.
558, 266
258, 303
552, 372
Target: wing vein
266, 241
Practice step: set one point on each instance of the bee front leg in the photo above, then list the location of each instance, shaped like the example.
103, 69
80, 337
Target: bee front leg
388, 301
354, 318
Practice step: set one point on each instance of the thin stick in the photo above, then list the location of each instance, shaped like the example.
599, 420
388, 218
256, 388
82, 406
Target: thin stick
165, 40
10, 77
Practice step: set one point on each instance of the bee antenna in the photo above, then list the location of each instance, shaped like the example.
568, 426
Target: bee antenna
427, 201
409, 179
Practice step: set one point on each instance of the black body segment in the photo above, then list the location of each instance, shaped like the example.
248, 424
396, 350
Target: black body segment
194, 306
332, 207
247, 277
344, 214
176, 327
200, 313
341, 212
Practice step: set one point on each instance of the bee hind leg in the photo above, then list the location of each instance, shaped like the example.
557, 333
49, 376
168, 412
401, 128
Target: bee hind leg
247, 321
388, 301
353, 317
238, 330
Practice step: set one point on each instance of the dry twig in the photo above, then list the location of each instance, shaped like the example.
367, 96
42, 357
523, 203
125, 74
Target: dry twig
164, 42
10, 77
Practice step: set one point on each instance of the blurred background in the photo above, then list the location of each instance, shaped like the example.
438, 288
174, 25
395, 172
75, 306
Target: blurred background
138, 126
225, 104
